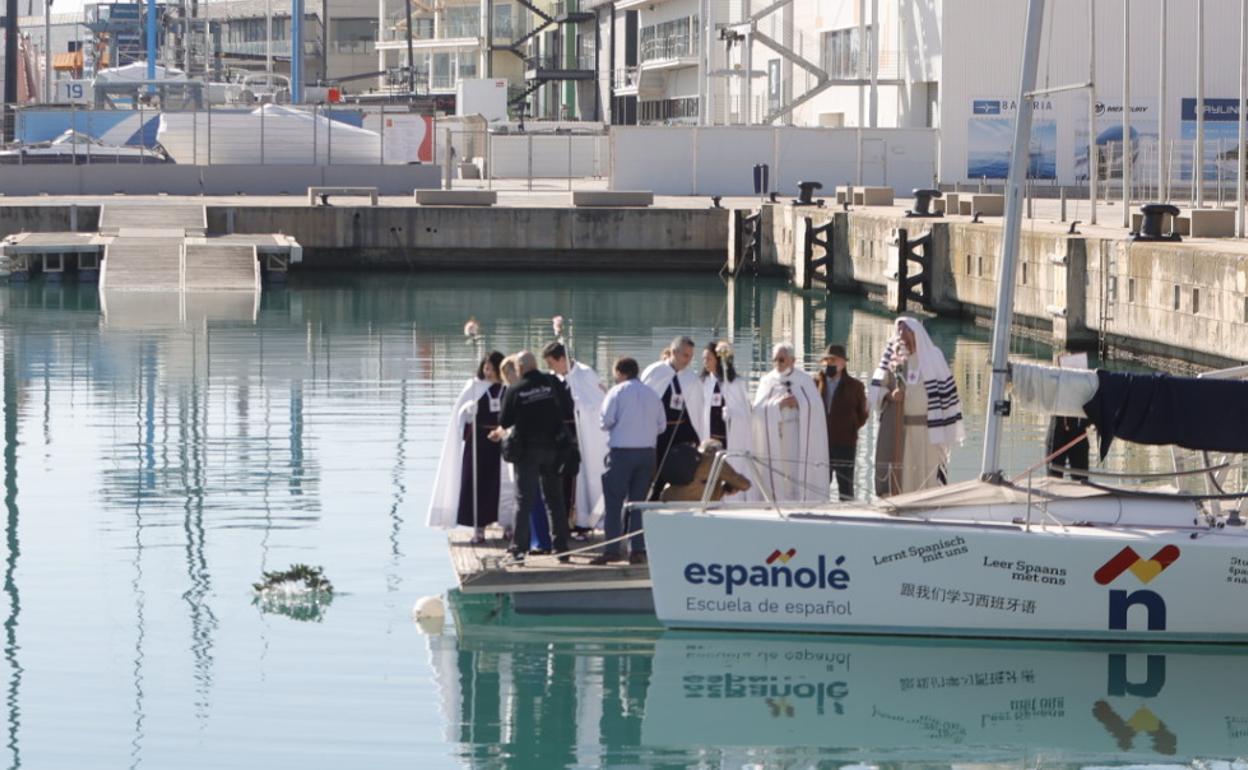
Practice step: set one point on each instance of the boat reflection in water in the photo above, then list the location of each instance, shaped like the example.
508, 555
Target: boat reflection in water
527, 692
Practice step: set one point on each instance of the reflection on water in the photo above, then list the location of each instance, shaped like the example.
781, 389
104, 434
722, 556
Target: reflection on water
168, 454
524, 693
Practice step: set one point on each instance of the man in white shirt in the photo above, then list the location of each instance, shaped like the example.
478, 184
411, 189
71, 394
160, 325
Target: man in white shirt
633, 417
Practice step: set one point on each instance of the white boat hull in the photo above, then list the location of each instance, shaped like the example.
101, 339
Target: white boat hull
872, 573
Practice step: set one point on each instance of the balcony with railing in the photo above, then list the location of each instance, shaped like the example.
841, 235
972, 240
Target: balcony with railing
626, 78
557, 66
671, 41
457, 23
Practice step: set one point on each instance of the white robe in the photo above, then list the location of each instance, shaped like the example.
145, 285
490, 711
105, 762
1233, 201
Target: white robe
791, 444
444, 502
658, 376
587, 397
739, 420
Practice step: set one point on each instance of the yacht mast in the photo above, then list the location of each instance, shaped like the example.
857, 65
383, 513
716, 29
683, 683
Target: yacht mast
1019, 166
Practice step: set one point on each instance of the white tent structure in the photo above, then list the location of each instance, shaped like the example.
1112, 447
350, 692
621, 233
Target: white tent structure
137, 72
270, 134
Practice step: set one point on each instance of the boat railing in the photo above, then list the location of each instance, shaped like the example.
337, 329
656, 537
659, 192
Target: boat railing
717, 469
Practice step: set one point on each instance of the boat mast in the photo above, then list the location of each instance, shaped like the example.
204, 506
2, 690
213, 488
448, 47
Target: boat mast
1019, 163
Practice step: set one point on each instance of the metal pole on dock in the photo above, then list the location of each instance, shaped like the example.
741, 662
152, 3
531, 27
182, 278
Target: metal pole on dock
1243, 120
47, 52
296, 52
1163, 182
1094, 162
1198, 157
1128, 146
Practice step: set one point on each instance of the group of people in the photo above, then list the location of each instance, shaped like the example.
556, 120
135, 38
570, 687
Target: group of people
578, 452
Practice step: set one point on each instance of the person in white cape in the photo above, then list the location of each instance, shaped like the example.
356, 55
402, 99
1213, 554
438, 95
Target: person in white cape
456, 500
587, 393
680, 390
790, 433
726, 403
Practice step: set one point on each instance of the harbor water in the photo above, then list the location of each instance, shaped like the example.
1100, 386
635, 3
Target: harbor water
160, 454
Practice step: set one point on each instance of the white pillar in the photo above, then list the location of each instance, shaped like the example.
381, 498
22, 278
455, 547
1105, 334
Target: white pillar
1094, 163
1198, 157
874, 64
747, 109
1239, 151
1163, 184
268, 39
860, 70
1128, 147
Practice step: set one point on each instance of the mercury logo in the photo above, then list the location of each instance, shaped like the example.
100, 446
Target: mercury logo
775, 572
1144, 570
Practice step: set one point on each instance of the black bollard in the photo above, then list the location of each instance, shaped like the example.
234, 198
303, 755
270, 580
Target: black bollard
1152, 216
806, 192
923, 203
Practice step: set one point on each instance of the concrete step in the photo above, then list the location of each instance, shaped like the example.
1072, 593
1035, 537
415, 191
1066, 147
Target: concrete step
115, 217
143, 264
220, 267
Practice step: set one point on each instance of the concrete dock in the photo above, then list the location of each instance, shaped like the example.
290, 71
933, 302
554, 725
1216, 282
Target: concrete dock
543, 584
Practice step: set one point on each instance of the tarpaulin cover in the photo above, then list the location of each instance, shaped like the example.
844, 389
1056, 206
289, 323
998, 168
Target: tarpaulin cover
1190, 412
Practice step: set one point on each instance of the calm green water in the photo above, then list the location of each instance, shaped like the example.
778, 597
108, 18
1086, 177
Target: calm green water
158, 456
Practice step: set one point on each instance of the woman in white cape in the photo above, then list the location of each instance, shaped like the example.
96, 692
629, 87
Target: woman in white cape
726, 405
474, 414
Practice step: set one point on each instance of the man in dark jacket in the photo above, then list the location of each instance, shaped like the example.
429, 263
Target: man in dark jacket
845, 404
534, 409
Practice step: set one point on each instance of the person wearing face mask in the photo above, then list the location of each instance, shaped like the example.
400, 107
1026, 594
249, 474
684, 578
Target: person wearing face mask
790, 433
845, 406
920, 412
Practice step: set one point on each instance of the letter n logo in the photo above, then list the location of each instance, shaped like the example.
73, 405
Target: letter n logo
1122, 601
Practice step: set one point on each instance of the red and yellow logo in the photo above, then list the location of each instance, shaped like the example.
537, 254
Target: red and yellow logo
1127, 560
781, 556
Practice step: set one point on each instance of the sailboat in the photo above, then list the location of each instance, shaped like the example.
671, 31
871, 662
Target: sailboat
984, 558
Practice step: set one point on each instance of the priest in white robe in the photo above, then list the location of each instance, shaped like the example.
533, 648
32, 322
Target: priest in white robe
585, 387
790, 433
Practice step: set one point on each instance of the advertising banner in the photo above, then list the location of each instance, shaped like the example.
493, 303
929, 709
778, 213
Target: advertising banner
990, 132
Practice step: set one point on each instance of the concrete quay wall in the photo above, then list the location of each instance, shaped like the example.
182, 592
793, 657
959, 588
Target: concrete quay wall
1175, 300
453, 237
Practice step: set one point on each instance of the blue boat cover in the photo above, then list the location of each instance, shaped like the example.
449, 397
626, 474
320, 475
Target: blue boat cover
1190, 412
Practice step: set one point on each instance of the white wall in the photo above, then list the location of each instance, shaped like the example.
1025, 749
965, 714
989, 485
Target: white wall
719, 160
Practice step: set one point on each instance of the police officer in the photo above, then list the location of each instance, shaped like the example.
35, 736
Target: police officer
534, 409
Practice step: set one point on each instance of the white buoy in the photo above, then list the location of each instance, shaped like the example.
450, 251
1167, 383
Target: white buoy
428, 608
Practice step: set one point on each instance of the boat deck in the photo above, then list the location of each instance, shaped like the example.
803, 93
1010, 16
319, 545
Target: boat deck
543, 584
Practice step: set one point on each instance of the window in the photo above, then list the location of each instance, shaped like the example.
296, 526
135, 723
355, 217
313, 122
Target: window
502, 22
1130, 290
1195, 300
667, 110
1177, 296
1024, 265
461, 21
981, 267
969, 269
840, 51
673, 39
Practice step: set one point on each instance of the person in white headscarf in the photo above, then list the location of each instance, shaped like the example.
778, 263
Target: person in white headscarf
920, 412
729, 417
471, 488
790, 433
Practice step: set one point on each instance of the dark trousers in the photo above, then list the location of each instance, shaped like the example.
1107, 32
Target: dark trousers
628, 476
842, 460
537, 470
1063, 430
